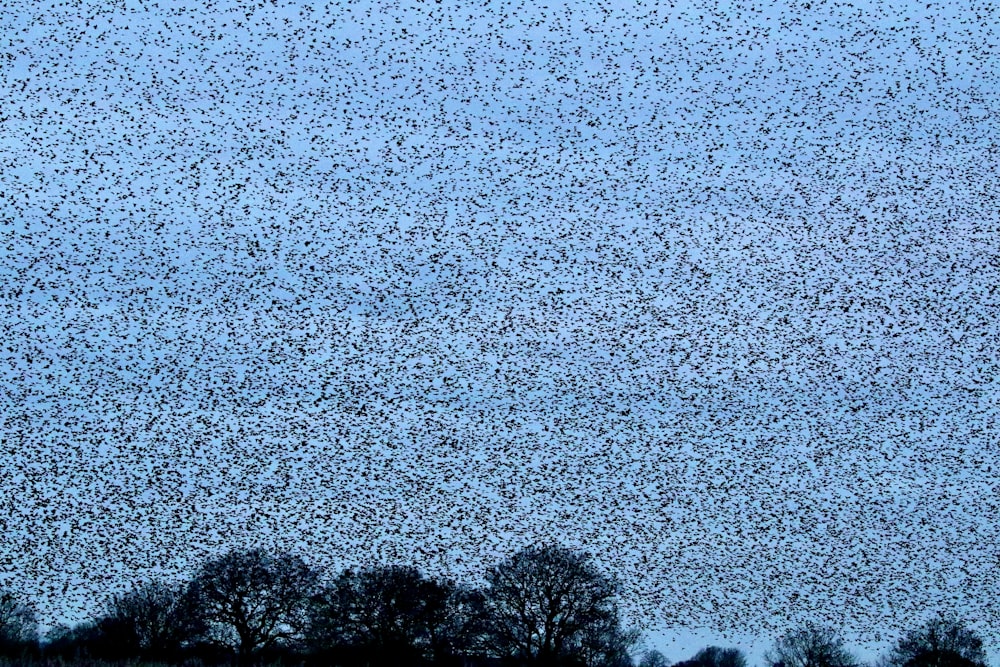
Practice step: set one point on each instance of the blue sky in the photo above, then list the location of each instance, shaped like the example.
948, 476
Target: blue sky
708, 289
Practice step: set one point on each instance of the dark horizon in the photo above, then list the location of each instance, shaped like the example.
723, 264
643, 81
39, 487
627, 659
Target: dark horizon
675, 644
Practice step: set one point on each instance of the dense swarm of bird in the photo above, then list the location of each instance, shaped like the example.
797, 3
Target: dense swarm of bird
708, 289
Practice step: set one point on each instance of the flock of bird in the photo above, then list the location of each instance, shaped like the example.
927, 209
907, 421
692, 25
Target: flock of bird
707, 289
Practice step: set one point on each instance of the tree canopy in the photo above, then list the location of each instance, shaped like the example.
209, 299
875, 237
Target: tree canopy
549, 605
942, 641
545, 605
810, 645
152, 619
394, 612
252, 600
18, 625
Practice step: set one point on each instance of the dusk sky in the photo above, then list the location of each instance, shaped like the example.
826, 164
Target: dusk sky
707, 289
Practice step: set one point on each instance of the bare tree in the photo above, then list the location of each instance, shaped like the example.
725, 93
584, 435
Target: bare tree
70, 642
461, 631
607, 644
18, 625
550, 605
154, 619
942, 641
716, 656
810, 646
254, 601
653, 658
393, 614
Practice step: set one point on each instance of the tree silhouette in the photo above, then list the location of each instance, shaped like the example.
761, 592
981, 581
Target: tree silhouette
463, 631
389, 614
548, 605
75, 642
18, 626
810, 646
154, 620
942, 641
606, 644
653, 658
716, 656
254, 601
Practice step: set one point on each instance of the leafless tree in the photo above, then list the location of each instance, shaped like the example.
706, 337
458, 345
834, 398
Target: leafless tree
716, 656
392, 614
606, 644
653, 658
942, 641
810, 646
551, 605
18, 626
254, 601
155, 619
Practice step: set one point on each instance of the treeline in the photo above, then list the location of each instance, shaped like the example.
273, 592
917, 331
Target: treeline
543, 606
